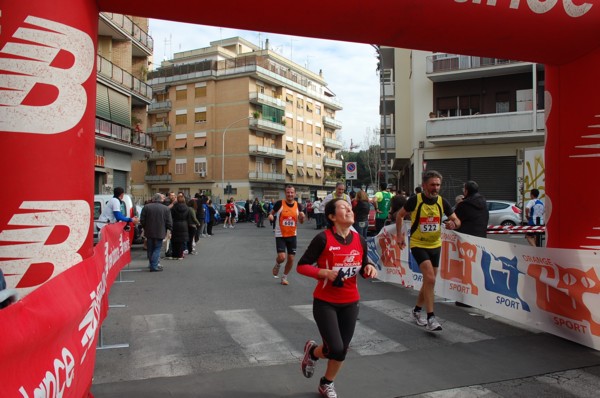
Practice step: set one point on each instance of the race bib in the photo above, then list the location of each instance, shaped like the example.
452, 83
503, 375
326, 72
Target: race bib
429, 224
349, 272
288, 222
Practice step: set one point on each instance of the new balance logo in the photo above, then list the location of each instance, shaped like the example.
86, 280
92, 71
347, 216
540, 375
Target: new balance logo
45, 242
58, 62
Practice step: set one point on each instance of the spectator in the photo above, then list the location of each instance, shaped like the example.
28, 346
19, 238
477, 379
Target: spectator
382, 203
472, 211
156, 220
318, 214
534, 211
361, 211
180, 235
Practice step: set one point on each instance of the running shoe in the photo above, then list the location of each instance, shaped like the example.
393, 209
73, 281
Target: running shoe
284, 281
327, 390
276, 270
308, 364
417, 317
433, 325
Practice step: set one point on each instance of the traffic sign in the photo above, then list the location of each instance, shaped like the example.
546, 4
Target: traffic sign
351, 171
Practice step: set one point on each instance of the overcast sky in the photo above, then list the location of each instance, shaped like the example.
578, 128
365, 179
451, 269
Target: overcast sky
348, 68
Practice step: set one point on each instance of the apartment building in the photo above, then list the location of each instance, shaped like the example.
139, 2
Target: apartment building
468, 117
122, 97
235, 119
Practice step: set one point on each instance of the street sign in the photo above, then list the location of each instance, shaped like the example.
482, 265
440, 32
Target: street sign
351, 171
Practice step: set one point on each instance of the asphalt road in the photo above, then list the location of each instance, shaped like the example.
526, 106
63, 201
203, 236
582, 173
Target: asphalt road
219, 325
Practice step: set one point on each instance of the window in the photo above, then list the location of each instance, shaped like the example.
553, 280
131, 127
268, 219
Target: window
289, 146
181, 94
318, 109
300, 126
309, 128
318, 130
259, 165
502, 102
300, 103
181, 119
289, 122
200, 166
180, 166
289, 98
309, 107
200, 117
200, 92
299, 148
309, 150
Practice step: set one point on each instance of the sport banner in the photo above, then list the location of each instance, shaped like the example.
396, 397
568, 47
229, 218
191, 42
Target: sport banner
49, 338
554, 290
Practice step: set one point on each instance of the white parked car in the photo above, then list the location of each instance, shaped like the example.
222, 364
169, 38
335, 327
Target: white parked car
504, 213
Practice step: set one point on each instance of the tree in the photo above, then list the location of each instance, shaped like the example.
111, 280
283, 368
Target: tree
368, 161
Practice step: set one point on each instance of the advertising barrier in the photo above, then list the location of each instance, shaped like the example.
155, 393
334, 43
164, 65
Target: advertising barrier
49, 338
554, 290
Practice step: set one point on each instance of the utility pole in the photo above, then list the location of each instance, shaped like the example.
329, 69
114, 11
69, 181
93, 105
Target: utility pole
381, 69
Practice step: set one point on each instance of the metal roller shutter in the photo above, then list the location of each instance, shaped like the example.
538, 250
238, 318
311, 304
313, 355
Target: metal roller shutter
120, 179
496, 176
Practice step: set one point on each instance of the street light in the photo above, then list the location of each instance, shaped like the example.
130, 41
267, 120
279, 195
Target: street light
223, 153
380, 68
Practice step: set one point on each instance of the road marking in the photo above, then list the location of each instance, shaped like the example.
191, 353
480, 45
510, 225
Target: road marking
366, 341
452, 332
159, 351
260, 342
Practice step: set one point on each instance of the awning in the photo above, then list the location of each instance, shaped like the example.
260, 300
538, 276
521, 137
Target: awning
289, 97
290, 170
309, 107
318, 173
180, 144
201, 141
310, 172
300, 171
289, 146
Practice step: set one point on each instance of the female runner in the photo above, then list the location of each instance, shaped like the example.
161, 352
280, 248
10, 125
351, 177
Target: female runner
340, 254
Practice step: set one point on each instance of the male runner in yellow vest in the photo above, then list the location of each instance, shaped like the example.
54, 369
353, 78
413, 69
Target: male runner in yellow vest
426, 210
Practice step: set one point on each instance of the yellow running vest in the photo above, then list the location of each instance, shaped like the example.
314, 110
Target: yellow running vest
428, 231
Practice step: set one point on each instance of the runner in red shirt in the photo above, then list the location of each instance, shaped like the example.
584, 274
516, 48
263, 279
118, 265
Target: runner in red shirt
334, 258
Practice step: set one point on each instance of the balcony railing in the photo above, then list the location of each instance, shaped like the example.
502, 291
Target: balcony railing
128, 26
327, 161
267, 126
330, 183
157, 177
331, 143
162, 129
158, 107
123, 78
266, 151
451, 62
260, 98
260, 176
489, 126
331, 122
160, 155
122, 134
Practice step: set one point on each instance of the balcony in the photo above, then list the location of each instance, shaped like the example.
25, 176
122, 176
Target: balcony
141, 93
263, 99
266, 177
160, 130
450, 67
153, 178
267, 126
121, 27
122, 138
331, 122
331, 143
257, 150
160, 155
159, 107
330, 182
490, 128
327, 161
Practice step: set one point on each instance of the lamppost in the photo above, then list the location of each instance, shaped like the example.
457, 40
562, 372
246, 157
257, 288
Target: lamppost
223, 152
381, 69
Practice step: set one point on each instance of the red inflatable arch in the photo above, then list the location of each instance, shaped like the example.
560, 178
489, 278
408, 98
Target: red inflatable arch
47, 76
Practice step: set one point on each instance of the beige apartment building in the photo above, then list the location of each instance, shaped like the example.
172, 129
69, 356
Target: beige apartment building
122, 97
237, 120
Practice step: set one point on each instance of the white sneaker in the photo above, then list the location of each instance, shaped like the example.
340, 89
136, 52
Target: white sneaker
433, 325
224, 225
327, 390
417, 317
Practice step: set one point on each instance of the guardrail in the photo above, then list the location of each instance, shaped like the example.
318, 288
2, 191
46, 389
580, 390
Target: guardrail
509, 229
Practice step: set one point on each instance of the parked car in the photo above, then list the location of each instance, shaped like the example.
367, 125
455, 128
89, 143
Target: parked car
504, 213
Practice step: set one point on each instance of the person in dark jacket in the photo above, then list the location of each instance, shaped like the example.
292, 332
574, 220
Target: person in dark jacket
180, 214
156, 220
361, 208
472, 211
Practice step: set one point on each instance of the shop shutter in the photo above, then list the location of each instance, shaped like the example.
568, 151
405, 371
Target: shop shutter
496, 176
454, 173
120, 179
